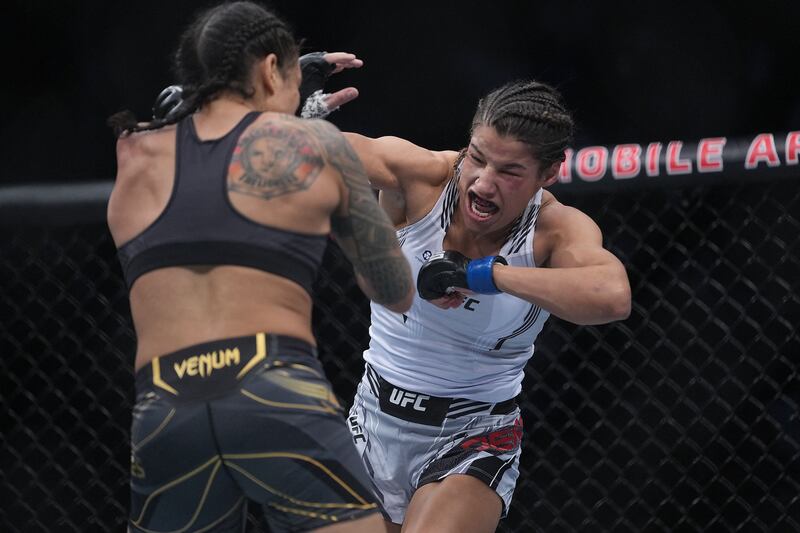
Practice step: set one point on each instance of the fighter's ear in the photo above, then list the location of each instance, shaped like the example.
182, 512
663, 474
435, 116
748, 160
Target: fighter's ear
268, 71
550, 174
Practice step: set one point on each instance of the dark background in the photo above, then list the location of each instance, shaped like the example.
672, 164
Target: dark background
631, 71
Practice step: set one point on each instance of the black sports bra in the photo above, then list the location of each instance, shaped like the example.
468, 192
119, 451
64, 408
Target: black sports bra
199, 226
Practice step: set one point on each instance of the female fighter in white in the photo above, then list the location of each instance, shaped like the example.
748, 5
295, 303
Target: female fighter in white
435, 416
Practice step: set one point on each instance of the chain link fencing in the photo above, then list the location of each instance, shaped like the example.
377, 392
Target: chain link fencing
683, 418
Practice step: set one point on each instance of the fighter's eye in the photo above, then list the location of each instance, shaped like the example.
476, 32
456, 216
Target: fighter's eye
475, 158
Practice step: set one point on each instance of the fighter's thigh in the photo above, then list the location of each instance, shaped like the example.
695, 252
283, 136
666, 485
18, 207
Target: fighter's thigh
391, 451
471, 481
457, 504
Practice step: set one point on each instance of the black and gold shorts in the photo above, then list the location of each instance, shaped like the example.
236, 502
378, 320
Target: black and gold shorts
247, 419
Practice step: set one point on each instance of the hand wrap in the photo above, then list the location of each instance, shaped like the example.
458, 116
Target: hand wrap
315, 73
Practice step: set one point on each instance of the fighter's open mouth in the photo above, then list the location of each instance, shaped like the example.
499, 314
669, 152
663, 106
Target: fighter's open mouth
480, 207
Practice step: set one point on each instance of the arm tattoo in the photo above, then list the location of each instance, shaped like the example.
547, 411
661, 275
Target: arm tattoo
364, 233
273, 160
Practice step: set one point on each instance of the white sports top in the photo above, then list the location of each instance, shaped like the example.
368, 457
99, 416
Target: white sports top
477, 351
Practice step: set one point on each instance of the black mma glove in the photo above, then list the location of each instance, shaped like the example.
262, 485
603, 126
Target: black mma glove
315, 73
452, 269
168, 102
312, 100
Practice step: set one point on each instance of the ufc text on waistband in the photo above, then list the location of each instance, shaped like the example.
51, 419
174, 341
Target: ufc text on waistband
424, 408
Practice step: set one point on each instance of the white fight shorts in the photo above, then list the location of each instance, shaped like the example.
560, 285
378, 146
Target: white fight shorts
407, 439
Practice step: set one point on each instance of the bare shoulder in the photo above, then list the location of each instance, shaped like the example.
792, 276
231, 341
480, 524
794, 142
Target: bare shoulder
310, 125
280, 126
145, 167
562, 220
279, 155
136, 151
307, 136
338, 151
150, 141
291, 121
311, 143
560, 228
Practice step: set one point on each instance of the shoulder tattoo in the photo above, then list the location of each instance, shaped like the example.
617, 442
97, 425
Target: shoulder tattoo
274, 159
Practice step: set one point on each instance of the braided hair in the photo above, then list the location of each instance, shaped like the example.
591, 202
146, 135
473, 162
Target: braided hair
532, 112
216, 53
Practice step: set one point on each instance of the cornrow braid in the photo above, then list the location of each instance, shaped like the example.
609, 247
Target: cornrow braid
531, 112
231, 69
216, 53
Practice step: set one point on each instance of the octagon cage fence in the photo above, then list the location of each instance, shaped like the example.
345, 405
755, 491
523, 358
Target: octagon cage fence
682, 418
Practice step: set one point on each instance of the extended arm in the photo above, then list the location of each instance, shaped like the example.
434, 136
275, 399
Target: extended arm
584, 283
362, 230
392, 163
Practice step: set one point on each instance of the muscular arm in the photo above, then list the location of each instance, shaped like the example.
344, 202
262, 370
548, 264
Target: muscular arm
362, 230
584, 284
392, 163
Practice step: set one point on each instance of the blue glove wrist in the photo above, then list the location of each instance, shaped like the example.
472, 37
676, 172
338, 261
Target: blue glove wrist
479, 274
